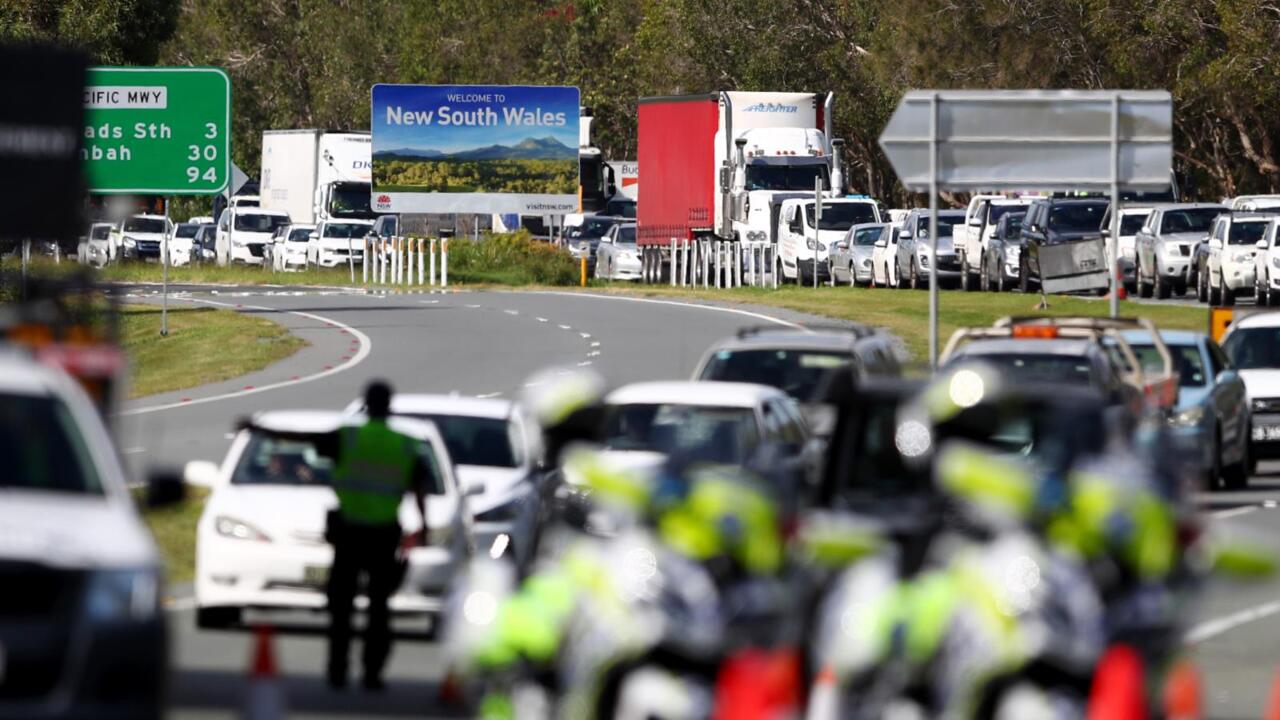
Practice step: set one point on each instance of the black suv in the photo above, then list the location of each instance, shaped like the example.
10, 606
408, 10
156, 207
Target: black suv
1054, 221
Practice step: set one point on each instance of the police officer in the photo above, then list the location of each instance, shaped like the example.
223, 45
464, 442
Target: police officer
374, 467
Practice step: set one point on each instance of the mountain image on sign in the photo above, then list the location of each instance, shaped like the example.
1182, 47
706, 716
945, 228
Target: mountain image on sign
532, 165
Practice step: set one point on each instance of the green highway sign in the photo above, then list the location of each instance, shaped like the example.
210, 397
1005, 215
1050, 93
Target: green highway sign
157, 130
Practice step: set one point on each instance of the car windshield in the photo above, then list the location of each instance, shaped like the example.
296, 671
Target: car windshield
1198, 220
868, 236
42, 447
299, 234
253, 222
268, 461
590, 229
713, 434
946, 224
999, 211
1246, 233
795, 372
1077, 218
1187, 361
1131, 224
345, 230
1032, 367
479, 440
1013, 224
1253, 348
185, 231
621, 208
626, 235
144, 225
100, 232
786, 177
841, 216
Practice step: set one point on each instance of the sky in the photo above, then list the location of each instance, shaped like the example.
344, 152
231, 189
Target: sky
454, 138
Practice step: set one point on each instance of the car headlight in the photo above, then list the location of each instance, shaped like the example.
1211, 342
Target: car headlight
924, 260
1190, 416
866, 262
1275, 261
1012, 253
238, 529
128, 241
811, 244
114, 595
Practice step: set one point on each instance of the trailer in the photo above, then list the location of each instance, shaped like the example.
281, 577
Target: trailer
317, 175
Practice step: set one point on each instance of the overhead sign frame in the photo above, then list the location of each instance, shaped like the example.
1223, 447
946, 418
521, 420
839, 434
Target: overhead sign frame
972, 140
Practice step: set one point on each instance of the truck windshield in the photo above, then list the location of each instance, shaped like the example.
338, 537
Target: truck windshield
42, 447
345, 230
786, 177
1077, 218
841, 216
350, 199
620, 208
260, 223
1246, 233
714, 434
590, 229
1198, 220
144, 225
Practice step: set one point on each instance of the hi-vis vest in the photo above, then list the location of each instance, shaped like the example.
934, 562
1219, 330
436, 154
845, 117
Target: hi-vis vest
374, 471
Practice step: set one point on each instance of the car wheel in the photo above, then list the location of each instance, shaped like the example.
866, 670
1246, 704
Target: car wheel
1214, 294
1236, 477
897, 274
916, 282
1260, 293
853, 279
1213, 477
1202, 288
1228, 295
1162, 289
966, 282
1144, 287
1180, 288
1024, 284
984, 276
1001, 286
217, 618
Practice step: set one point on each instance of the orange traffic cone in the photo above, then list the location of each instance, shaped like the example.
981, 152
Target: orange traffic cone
1273, 701
264, 699
1118, 690
824, 697
1183, 695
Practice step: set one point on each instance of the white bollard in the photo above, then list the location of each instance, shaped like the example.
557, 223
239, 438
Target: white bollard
444, 262
715, 245
773, 265
364, 262
673, 262
431, 263
422, 268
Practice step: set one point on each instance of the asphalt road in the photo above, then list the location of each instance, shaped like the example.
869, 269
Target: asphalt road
488, 343
483, 343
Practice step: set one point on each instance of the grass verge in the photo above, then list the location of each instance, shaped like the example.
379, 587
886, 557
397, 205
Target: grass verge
174, 529
905, 313
204, 345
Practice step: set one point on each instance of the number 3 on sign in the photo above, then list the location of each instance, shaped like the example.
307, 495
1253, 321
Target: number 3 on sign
210, 175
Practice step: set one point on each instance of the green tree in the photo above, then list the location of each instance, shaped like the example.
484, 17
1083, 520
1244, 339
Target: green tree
112, 32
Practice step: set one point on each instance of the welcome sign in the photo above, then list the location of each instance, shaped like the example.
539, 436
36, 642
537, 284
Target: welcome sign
475, 149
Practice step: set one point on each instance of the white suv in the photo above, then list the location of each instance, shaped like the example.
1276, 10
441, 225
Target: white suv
1232, 246
243, 234
336, 239
1266, 266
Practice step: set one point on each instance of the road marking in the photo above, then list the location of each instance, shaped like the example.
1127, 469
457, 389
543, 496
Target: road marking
429, 302
542, 320
366, 346
132, 450
677, 303
564, 327
585, 336
595, 344
179, 604
1213, 628
489, 395
511, 312
1233, 512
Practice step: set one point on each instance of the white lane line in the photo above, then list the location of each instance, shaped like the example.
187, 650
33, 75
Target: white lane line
585, 336
511, 312
366, 346
429, 302
179, 604
594, 353
677, 303
1213, 628
564, 327
489, 395
595, 344
1233, 512
584, 363
542, 320
132, 450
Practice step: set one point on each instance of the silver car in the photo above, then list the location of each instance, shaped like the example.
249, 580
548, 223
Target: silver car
1165, 244
851, 256
913, 248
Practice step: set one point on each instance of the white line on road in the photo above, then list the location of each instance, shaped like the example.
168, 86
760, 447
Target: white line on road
489, 395
1233, 512
542, 320
179, 604
132, 450
1213, 628
511, 312
564, 327
366, 345
585, 336
677, 303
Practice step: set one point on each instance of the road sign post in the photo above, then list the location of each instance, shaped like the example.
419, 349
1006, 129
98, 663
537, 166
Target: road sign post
157, 131
972, 140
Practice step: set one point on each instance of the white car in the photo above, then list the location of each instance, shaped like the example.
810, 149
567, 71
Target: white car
181, 243
617, 257
99, 248
1233, 243
291, 247
81, 574
1165, 246
703, 421
495, 451
139, 237
1131, 221
243, 234
1252, 345
1266, 267
804, 249
336, 239
260, 540
201, 220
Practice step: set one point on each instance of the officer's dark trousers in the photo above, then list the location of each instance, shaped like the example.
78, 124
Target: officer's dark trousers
369, 550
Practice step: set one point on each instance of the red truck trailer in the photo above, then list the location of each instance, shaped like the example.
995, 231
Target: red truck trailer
714, 162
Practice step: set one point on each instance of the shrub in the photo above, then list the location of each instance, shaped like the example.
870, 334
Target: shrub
511, 259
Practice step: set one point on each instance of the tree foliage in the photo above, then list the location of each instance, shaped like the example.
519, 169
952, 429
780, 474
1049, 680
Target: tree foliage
112, 32
310, 63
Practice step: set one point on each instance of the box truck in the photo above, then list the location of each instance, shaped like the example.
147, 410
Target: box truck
317, 175
717, 165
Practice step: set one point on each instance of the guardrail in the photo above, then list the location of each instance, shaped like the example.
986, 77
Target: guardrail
405, 261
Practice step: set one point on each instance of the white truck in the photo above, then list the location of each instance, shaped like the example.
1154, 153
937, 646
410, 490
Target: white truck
972, 238
805, 239
317, 175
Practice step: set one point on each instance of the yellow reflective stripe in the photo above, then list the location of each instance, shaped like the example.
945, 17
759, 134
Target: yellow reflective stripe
979, 477
1152, 546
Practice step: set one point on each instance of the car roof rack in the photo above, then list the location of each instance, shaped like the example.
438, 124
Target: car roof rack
858, 331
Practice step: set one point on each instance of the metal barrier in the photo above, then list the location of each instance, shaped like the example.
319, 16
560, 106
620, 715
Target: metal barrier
405, 261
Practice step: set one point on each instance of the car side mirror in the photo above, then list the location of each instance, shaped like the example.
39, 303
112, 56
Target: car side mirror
472, 488
881, 244
313, 236
842, 245
1261, 245
1215, 244
975, 222
904, 235
165, 488
1106, 232
200, 473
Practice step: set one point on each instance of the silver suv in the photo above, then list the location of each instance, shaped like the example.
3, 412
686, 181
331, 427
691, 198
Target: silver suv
1165, 244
